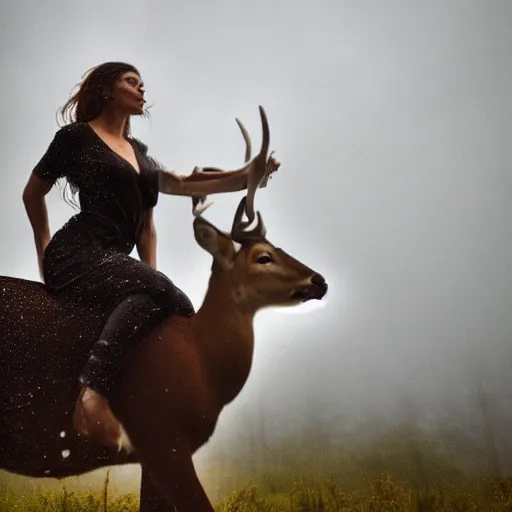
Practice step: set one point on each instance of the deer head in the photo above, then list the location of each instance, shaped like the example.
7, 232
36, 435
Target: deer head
245, 263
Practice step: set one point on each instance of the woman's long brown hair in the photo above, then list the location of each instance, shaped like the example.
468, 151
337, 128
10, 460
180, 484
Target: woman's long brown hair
88, 102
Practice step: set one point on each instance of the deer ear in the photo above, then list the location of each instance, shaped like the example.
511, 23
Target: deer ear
219, 245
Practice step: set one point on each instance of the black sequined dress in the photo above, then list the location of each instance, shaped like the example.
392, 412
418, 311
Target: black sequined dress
88, 259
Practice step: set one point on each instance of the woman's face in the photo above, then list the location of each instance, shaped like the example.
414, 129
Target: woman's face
128, 94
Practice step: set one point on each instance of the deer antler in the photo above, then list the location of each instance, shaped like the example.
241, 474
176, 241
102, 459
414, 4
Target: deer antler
238, 230
199, 204
257, 172
247, 139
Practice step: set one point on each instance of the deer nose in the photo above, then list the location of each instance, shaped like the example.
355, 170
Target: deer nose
319, 281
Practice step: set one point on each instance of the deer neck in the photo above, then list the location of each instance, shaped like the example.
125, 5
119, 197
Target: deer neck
225, 338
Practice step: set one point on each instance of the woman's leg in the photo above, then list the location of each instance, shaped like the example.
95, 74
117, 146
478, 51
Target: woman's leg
130, 320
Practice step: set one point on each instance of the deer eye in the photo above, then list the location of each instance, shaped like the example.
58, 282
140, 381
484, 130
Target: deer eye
264, 259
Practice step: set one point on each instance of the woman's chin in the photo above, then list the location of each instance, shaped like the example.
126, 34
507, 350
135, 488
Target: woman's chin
138, 111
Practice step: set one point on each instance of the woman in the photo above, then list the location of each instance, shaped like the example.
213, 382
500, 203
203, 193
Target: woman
88, 258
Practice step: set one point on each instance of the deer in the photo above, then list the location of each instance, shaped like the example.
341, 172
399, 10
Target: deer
173, 385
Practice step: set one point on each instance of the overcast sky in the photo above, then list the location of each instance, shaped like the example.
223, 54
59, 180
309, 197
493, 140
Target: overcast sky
392, 121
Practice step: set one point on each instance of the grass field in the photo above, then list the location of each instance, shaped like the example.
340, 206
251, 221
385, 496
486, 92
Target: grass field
297, 495
401, 470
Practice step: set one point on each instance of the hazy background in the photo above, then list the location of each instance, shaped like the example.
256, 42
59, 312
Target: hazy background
392, 121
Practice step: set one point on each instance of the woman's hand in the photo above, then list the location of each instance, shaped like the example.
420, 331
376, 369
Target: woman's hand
272, 166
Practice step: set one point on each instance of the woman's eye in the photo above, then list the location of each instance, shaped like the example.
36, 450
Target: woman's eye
264, 258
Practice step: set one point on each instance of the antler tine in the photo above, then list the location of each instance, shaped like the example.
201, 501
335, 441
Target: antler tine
247, 138
239, 225
199, 204
265, 141
259, 169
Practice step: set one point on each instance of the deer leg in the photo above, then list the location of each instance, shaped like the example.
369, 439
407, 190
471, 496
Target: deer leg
169, 479
151, 499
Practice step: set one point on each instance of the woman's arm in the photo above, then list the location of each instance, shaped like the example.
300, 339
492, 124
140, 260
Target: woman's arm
35, 205
201, 183
146, 244
208, 180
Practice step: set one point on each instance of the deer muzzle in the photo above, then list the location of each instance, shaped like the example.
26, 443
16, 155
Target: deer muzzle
315, 289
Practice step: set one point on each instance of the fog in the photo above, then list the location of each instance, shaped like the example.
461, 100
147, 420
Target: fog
392, 121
